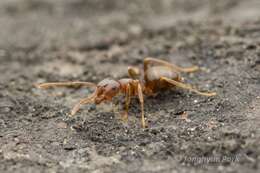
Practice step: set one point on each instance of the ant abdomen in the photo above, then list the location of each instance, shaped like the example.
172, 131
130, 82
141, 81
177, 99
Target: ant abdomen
156, 72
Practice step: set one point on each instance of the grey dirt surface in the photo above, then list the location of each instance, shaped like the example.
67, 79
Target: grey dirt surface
63, 40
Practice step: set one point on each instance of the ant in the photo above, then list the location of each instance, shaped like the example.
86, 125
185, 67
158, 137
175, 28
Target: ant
156, 75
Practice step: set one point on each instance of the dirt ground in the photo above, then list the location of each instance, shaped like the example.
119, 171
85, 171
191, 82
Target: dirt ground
46, 40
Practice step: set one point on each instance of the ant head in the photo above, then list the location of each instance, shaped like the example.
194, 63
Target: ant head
106, 90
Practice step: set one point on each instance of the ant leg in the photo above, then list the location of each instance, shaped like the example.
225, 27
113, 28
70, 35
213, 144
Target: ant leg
87, 100
133, 72
186, 86
141, 99
148, 61
127, 102
64, 84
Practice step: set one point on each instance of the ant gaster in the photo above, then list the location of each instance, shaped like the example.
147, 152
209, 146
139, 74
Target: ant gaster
156, 75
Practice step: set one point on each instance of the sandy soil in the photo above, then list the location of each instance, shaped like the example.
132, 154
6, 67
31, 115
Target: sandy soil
90, 40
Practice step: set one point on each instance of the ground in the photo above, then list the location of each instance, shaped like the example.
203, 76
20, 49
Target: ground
90, 40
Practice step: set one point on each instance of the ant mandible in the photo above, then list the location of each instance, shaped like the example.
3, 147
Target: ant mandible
156, 75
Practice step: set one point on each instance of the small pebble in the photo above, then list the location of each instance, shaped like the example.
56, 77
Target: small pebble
62, 125
192, 129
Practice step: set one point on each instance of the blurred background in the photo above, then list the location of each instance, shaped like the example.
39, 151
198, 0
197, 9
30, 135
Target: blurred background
84, 23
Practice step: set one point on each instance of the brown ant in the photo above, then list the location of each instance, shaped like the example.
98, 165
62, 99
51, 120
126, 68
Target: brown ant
156, 75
